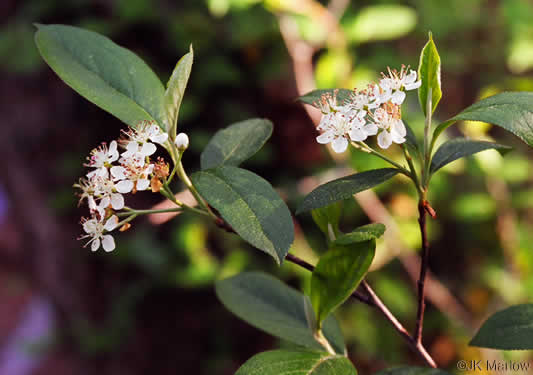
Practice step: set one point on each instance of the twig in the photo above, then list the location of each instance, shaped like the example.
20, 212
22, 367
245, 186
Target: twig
417, 347
423, 269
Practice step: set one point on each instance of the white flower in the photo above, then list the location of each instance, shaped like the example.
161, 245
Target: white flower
335, 132
95, 229
138, 145
138, 151
339, 127
391, 127
393, 84
102, 188
360, 130
101, 158
359, 101
132, 175
377, 96
110, 192
328, 103
182, 141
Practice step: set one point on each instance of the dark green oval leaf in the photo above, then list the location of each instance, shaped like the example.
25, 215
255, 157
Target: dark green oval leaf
327, 219
461, 147
176, 89
513, 111
291, 362
407, 370
429, 73
236, 143
363, 233
110, 76
337, 274
250, 205
315, 95
509, 329
270, 305
344, 188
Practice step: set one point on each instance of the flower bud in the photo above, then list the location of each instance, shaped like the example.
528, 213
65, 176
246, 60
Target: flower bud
182, 141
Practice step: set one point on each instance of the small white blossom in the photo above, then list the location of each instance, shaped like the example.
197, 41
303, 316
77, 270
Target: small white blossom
132, 175
101, 158
393, 84
391, 128
328, 103
340, 127
182, 141
95, 229
328, 106
137, 142
359, 128
102, 188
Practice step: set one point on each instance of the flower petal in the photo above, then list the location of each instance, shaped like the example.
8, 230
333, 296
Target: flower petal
89, 226
398, 128
412, 86
117, 201
124, 186
370, 129
112, 153
410, 78
95, 244
104, 203
358, 134
326, 137
398, 97
142, 184
148, 149
118, 173
384, 139
108, 243
339, 144
111, 223
159, 138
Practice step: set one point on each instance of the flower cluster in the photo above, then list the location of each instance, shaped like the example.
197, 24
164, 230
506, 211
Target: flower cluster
113, 174
375, 110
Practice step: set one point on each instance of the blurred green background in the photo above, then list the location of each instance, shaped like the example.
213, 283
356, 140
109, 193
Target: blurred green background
149, 307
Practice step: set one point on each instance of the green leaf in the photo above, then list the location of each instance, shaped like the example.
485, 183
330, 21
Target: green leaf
110, 76
461, 147
429, 73
315, 95
513, 111
327, 219
344, 188
250, 205
236, 143
361, 234
510, 329
292, 362
337, 274
176, 89
395, 22
407, 370
270, 305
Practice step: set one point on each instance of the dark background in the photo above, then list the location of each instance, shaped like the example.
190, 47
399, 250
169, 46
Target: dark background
149, 307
